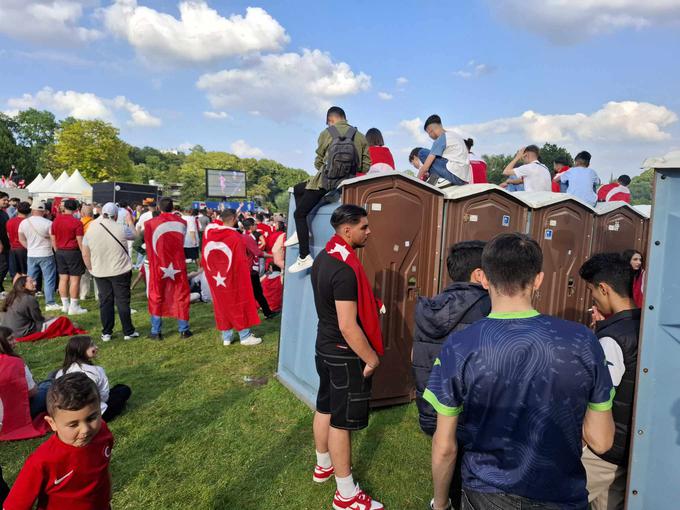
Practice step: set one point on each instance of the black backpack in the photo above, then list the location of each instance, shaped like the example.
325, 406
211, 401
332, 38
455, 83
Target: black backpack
342, 160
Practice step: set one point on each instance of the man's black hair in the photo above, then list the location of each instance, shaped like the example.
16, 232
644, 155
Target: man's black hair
561, 160
347, 214
414, 154
71, 392
259, 217
375, 137
612, 269
511, 262
122, 203
71, 205
248, 223
24, 208
3, 194
624, 180
583, 156
533, 148
432, 119
336, 111
469, 143
166, 205
228, 214
464, 258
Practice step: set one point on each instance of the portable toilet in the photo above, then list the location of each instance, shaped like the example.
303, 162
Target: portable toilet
619, 227
563, 226
655, 451
401, 259
478, 212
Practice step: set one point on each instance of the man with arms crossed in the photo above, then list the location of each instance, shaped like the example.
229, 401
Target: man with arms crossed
346, 354
529, 388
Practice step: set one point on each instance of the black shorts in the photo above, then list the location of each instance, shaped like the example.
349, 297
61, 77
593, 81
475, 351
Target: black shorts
191, 253
70, 262
343, 391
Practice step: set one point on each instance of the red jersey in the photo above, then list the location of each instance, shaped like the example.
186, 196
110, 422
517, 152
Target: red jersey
13, 233
64, 477
65, 228
556, 185
264, 229
253, 251
613, 192
381, 159
478, 167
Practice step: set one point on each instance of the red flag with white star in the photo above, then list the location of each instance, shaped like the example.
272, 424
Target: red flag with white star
168, 285
227, 269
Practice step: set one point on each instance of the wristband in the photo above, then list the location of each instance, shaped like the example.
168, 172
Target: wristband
448, 506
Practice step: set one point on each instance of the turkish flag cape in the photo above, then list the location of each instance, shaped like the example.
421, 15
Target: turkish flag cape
62, 326
367, 306
168, 286
227, 269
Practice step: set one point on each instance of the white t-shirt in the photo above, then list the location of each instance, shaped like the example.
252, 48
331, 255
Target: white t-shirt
143, 219
36, 230
189, 241
30, 383
536, 176
97, 374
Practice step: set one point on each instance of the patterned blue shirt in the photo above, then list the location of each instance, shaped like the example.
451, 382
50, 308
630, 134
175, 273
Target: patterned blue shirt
521, 384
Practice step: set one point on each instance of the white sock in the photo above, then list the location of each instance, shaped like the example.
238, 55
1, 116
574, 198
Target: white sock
346, 486
64, 302
74, 303
323, 460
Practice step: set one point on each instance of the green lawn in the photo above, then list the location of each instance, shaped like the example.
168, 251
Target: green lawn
196, 436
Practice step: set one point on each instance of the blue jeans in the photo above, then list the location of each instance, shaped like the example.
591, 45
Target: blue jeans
229, 334
472, 500
38, 403
157, 322
439, 168
515, 187
48, 267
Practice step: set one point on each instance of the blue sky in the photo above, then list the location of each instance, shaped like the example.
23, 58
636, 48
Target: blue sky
256, 78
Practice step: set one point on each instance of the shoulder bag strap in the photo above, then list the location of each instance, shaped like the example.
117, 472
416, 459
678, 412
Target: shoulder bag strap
116, 239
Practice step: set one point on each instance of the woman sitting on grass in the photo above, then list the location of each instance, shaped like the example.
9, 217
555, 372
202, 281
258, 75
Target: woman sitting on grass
22, 311
37, 394
80, 354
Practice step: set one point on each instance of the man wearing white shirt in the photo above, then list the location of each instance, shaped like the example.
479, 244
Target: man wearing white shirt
533, 174
191, 236
609, 279
34, 235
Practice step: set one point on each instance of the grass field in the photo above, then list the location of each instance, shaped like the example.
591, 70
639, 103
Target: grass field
195, 435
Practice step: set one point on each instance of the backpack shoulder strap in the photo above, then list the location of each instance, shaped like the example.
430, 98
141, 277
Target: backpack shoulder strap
351, 132
333, 131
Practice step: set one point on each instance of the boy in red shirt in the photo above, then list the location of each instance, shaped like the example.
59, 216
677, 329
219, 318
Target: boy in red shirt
67, 240
18, 255
69, 471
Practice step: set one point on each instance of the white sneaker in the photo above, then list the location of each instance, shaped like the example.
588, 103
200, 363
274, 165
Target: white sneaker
106, 338
76, 310
301, 264
226, 343
130, 337
251, 340
132, 310
64, 309
53, 307
292, 241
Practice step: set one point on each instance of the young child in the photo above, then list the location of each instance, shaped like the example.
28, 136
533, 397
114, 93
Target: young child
69, 471
609, 279
81, 352
448, 158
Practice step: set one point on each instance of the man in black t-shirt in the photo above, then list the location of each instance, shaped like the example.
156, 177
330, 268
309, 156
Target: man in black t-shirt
345, 360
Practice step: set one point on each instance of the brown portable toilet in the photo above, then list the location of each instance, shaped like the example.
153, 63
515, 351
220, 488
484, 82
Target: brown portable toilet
478, 212
563, 226
646, 212
401, 261
618, 227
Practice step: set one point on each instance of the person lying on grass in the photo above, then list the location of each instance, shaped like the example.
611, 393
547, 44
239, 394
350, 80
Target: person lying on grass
71, 469
81, 352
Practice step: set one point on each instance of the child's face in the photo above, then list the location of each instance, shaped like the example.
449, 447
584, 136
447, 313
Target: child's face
76, 428
91, 351
416, 163
434, 131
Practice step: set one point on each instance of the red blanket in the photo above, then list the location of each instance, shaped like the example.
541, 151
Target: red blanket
62, 326
368, 306
16, 420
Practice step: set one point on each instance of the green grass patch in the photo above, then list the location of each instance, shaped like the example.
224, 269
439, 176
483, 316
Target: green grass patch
195, 435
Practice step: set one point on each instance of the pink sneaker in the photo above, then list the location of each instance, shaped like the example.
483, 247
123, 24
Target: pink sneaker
322, 475
360, 501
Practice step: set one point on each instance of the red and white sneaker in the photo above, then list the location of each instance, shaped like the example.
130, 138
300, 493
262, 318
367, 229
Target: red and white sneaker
360, 501
322, 475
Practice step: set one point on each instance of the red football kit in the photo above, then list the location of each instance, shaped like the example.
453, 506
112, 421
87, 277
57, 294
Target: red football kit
64, 477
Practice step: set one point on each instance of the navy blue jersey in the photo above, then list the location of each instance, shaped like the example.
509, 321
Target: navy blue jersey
521, 384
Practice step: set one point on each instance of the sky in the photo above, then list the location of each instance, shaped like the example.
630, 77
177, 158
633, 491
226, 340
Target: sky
255, 79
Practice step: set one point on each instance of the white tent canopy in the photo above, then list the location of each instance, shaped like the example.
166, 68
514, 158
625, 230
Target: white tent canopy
77, 185
45, 185
58, 184
35, 183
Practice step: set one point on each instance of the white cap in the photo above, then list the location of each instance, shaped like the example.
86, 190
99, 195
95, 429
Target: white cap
110, 209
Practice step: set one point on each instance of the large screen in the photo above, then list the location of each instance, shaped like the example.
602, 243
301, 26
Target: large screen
225, 183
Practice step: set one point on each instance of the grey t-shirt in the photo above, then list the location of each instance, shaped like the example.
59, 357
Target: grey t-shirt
24, 316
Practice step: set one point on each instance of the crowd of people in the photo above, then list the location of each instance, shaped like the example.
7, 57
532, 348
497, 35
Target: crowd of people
524, 410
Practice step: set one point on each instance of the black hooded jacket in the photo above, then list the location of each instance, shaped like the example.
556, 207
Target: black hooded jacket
460, 305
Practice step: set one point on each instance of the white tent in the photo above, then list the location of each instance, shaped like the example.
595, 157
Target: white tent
45, 185
35, 183
77, 185
58, 184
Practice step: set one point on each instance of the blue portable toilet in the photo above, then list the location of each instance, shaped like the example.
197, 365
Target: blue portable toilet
654, 473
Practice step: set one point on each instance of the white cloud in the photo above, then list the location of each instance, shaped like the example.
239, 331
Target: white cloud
243, 150
474, 70
200, 34
84, 105
46, 21
216, 115
570, 21
385, 96
284, 85
401, 81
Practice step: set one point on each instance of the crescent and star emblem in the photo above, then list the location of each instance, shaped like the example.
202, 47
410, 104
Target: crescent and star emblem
164, 228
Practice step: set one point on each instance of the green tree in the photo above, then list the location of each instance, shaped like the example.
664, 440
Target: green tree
35, 130
92, 147
11, 154
495, 164
550, 152
641, 187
